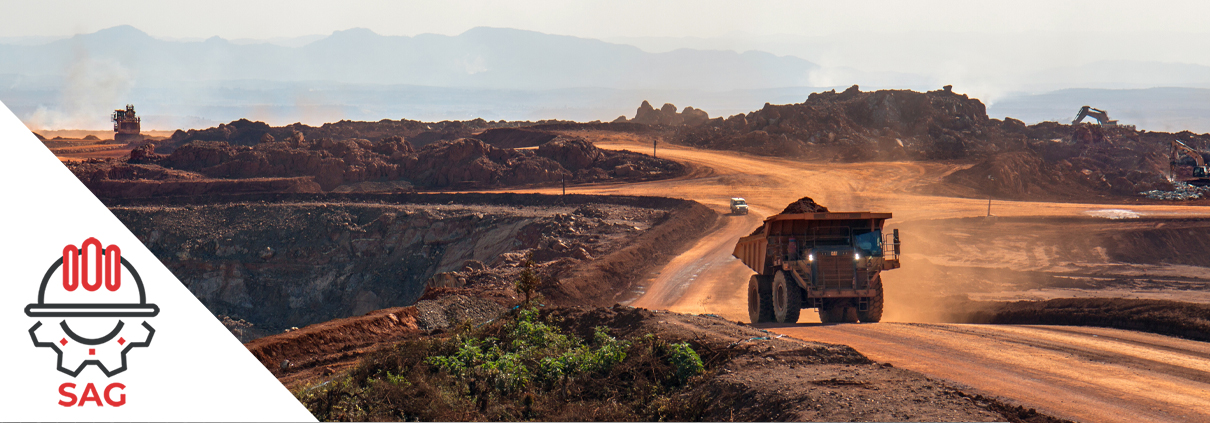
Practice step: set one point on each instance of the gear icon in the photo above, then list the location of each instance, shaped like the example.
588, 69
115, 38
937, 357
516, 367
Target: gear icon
100, 302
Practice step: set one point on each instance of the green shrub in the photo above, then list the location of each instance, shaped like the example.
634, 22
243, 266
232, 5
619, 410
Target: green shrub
686, 361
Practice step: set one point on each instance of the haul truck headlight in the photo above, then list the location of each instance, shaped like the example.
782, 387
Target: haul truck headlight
857, 257
811, 257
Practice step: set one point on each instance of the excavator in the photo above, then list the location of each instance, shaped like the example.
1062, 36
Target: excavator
1201, 175
1101, 116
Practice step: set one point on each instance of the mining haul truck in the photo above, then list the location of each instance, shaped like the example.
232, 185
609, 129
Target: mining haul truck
828, 261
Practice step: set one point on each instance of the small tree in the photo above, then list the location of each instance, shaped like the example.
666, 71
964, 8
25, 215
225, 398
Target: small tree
527, 284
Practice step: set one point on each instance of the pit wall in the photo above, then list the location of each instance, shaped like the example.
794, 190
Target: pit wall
289, 260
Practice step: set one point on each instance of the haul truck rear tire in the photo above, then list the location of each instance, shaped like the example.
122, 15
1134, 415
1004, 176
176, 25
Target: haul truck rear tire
873, 312
760, 299
787, 299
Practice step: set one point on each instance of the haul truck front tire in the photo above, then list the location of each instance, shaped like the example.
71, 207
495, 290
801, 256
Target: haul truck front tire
787, 299
873, 312
760, 299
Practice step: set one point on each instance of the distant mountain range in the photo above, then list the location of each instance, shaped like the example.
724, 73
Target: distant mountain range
493, 58
497, 73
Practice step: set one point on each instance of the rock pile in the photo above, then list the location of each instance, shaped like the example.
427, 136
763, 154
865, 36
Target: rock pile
804, 205
1180, 191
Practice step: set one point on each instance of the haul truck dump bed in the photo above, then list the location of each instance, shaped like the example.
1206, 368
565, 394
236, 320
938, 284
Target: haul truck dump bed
829, 261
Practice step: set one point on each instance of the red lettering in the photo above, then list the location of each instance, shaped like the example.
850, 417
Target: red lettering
90, 394
121, 399
64, 391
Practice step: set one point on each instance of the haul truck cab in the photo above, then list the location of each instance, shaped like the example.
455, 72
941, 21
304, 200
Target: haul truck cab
829, 261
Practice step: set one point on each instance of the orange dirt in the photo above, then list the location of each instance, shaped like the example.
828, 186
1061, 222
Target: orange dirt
1113, 384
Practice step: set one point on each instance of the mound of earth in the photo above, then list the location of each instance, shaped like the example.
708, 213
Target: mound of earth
804, 205
280, 261
464, 163
855, 125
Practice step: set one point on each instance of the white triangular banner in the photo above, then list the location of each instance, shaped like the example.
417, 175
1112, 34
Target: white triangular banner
159, 356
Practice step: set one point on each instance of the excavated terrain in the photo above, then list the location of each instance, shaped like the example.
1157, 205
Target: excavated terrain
392, 164
281, 261
955, 270
419, 134
1011, 160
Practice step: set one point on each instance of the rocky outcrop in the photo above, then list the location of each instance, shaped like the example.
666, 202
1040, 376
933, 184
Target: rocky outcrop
666, 115
854, 125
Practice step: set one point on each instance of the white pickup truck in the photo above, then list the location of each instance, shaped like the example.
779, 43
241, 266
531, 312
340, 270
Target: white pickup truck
739, 206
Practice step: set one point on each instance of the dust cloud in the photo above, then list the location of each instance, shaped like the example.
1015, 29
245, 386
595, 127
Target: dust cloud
946, 262
92, 89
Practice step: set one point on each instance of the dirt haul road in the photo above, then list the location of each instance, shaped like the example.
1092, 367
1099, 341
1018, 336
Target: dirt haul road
1083, 374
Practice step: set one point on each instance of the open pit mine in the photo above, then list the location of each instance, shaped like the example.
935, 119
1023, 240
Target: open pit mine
976, 269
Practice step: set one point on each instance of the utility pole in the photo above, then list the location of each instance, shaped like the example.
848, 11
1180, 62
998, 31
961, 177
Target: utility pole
563, 179
654, 143
989, 207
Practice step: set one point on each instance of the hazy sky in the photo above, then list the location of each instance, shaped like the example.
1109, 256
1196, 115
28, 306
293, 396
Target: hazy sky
989, 49
598, 19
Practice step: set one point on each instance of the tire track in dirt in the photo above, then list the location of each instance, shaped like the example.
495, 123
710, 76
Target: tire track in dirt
1071, 372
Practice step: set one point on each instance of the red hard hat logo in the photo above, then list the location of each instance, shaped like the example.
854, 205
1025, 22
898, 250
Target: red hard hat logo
94, 282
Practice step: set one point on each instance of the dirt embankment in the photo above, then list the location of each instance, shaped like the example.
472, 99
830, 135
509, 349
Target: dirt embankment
279, 261
249, 133
359, 165
1172, 318
322, 349
750, 374
1081, 163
